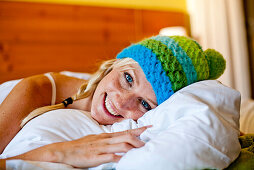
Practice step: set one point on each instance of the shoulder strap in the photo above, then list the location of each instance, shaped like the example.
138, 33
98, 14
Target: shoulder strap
51, 79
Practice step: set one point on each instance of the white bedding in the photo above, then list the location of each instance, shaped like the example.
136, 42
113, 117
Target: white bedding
196, 128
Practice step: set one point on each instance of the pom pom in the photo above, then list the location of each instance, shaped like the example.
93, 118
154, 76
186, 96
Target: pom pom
216, 62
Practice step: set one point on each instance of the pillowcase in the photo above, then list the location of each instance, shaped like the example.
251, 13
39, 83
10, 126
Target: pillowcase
54, 126
195, 128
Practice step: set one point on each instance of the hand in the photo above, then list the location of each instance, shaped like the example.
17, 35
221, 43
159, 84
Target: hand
89, 151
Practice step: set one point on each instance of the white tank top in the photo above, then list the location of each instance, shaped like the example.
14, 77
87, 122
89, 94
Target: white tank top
53, 84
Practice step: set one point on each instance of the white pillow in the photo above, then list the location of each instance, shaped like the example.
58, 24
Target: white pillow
54, 126
196, 128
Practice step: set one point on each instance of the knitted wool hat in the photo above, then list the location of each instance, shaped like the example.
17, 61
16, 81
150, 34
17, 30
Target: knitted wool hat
173, 62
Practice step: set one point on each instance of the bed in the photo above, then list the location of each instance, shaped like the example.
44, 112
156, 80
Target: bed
196, 128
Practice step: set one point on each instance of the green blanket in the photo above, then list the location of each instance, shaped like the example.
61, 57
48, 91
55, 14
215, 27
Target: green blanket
246, 157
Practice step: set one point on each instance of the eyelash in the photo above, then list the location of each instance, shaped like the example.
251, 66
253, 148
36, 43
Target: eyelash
145, 105
129, 80
128, 76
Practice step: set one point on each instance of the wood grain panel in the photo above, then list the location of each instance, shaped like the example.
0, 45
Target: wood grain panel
39, 37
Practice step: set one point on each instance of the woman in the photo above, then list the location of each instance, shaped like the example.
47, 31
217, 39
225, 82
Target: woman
144, 75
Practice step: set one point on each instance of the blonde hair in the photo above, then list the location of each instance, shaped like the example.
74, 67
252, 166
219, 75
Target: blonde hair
85, 89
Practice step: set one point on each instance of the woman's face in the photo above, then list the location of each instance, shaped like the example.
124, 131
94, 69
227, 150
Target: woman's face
122, 94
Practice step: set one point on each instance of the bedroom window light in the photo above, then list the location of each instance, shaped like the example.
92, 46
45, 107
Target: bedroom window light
169, 31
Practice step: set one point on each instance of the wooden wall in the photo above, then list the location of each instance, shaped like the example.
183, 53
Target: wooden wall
39, 37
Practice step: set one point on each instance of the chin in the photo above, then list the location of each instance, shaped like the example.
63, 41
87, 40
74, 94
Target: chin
102, 120
99, 119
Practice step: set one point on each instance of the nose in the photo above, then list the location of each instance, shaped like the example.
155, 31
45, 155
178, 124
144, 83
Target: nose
126, 101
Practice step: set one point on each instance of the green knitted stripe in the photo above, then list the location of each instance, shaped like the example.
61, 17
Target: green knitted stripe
196, 55
169, 62
181, 56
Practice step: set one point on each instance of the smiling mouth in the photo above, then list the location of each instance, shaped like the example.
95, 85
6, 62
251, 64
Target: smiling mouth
108, 108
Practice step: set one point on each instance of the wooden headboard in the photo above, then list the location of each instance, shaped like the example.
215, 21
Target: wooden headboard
40, 37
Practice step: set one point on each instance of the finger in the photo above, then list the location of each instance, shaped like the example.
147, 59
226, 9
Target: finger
136, 132
95, 137
128, 138
103, 158
115, 148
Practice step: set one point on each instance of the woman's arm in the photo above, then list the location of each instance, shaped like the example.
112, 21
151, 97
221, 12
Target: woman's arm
89, 151
29, 94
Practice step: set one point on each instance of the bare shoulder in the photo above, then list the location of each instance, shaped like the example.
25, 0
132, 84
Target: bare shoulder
66, 86
37, 81
58, 78
40, 84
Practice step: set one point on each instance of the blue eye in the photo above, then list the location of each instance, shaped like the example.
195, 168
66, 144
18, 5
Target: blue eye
146, 105
128, 77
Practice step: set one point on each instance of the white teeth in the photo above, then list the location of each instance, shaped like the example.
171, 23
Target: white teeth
110, 109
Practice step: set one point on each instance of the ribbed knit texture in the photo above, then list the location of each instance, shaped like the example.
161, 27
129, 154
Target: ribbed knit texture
171, 63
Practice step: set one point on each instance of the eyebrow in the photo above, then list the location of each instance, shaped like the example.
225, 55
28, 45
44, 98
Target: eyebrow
136, 81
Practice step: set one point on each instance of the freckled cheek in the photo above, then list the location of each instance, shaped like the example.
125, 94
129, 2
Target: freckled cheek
97, 101
135, 115
113, 85
95, 109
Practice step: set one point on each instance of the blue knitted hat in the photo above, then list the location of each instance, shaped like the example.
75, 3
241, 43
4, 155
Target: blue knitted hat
173, 62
